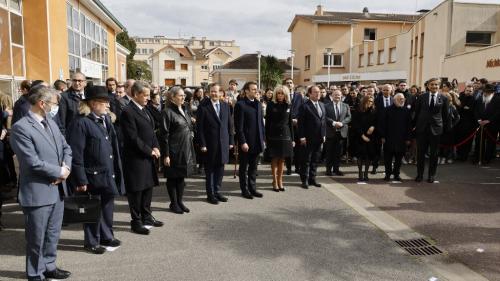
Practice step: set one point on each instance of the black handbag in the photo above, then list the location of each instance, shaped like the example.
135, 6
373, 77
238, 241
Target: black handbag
82, 209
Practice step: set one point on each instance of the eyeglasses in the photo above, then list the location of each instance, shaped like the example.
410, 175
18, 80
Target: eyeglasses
78, 81
53, 103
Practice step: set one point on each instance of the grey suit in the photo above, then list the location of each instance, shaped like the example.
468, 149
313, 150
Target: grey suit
335, 137
40, 157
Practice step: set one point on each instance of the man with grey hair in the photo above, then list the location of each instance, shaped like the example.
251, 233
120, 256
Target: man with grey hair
395, 129
140, 149
44, 160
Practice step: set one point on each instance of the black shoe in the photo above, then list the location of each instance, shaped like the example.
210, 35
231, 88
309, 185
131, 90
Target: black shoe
57, 274
96, 250
140, 230
397, 178
220, 197
176, 209
256, 194
276, 189
430, 180
387, 178
112, 243
247, 195
153, 222
184, 208
418, 179
338, 173
314, 183
282, 188
374, 171
304, 185
212, 200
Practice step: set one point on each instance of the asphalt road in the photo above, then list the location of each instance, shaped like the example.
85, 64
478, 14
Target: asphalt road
296, 235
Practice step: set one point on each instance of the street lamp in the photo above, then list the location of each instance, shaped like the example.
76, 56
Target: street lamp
329, 54
292, 56
259, 55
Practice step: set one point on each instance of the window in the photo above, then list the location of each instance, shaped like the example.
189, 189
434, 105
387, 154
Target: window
478, 38
371, 59
204, 67
392, 55
416, 46
216, 66
361, 58
370, 34
15, 5
151, 51
381, 59
169, 65
82, 23
16, 31
169, 82
183, 82
307, 62
336, 60
184, 66
75, 19
422, 45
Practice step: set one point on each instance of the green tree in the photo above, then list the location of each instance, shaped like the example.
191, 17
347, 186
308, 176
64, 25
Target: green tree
271, 73
137, 70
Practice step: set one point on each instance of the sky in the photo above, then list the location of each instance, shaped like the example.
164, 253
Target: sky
256, 25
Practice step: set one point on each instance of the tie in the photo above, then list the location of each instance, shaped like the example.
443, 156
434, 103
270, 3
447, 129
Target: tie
318, 109
217, 109
432, 102
45, 124
146, 113
386, 102
337, 112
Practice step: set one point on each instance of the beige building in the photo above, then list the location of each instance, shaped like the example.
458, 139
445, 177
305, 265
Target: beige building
184, 61
452, 41
312, 35
244, 69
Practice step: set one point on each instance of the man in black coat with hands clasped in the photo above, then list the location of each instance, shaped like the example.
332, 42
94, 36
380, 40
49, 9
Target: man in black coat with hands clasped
311, 133
214, 125
250, 133
141, 148
395, 128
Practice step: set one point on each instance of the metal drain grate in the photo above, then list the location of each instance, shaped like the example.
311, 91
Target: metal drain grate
419, 247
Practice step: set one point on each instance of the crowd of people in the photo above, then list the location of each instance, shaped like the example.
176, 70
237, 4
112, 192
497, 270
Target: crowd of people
74, 138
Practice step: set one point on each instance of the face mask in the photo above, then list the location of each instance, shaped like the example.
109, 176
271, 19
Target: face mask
53, 111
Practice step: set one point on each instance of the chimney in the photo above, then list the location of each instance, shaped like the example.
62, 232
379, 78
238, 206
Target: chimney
366, 12
319, 11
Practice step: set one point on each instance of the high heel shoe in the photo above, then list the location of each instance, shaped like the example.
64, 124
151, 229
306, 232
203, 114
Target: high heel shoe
275, 187
281, 188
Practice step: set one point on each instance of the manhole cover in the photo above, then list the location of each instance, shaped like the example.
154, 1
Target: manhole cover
419, 247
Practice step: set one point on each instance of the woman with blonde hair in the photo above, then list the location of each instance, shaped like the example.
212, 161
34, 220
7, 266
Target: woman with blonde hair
279, 133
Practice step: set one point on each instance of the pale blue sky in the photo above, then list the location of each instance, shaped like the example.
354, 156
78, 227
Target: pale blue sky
254, 24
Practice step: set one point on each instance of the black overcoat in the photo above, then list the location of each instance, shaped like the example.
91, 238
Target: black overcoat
96, 156
177, 142
395, 127
311, 126
139, 139
249, 125
214, 133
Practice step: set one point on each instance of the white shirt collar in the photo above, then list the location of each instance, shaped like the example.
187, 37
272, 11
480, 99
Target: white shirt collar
38, 118
138, 105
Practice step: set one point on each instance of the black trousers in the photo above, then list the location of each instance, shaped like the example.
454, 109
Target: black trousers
389, 155
213, 179
248, 171
378, 151
427, 141
140, 206
333, 147
175, 189
94, 233
311, 156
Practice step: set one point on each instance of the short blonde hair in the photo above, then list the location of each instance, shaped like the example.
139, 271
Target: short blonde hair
284, 90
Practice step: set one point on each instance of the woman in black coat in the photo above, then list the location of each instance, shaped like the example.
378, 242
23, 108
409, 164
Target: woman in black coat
363, 124
177, 148
279, 133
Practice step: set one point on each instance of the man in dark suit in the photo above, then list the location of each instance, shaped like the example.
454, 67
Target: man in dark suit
22, 105
250, 133
431, 120
311, 133
338, 117
96, 166
44, 160
382, 102
486, 112
214, 127
394, 130
70, 100
298, 100
141, 148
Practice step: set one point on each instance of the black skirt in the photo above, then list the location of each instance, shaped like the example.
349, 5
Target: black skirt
280, 148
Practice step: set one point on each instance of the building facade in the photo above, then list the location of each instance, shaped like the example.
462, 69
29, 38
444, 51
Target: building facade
184, 61
48, 40
315, 36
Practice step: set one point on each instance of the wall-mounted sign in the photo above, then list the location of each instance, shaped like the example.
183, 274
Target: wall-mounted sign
493, 63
